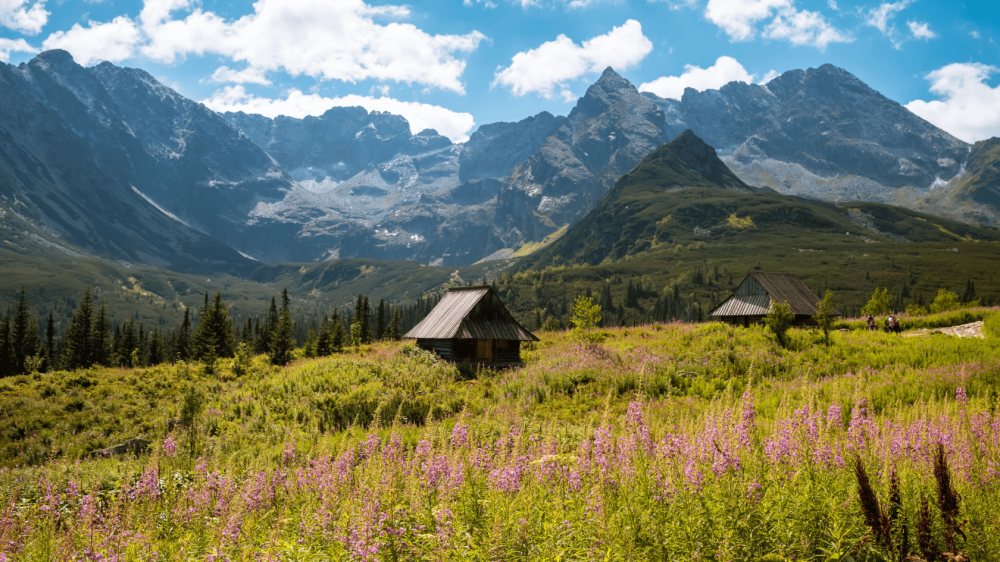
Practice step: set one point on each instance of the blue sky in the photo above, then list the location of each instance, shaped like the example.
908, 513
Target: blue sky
457, 64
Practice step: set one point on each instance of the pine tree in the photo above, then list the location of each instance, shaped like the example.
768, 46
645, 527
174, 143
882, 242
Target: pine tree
102, 345
183, 347
78, 339
6, 350
338, 336
50, 343
396, 326
24, 335
127, 344
267, 331
214, 337
380, 320
156, 348
283, 340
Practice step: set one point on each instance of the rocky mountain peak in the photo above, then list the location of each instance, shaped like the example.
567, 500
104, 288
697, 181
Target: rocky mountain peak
609, 91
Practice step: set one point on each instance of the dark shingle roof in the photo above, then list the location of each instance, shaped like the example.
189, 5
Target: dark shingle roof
780, 287
450, 319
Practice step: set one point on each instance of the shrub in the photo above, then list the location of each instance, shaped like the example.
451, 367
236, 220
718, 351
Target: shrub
779, 319
880, 303
991, 326
944, 301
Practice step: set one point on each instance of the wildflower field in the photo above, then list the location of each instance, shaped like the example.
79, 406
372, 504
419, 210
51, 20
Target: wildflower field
663, 442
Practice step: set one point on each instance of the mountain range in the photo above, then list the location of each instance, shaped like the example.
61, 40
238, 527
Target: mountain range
106, 160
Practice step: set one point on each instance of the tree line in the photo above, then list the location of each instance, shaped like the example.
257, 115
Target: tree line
29, 344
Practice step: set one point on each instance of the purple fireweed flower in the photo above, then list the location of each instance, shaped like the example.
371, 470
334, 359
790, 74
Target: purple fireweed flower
634, 420
755, 491
960, 396
833, 416
748, 423
508, 478
169, 446
370, 446
459, 435
289, 455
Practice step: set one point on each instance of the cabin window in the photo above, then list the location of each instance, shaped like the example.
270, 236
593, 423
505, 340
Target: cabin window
484, 349
501, 344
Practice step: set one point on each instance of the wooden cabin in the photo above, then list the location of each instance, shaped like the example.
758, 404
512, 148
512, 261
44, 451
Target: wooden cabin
754, 296
472, 324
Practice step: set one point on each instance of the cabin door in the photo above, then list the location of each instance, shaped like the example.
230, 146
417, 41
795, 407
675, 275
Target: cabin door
484, 350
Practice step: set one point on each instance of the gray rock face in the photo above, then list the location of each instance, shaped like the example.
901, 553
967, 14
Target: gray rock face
609, 131
828, 125
75, 169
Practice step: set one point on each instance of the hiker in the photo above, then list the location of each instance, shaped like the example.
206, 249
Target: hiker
888, 324
895, 326
871, 323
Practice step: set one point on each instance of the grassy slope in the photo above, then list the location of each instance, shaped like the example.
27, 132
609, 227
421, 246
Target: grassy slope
309, 423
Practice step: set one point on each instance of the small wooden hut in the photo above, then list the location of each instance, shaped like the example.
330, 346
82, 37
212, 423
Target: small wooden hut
472, 324
754, 296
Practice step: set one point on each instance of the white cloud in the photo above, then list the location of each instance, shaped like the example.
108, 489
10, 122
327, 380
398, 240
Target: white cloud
451, 124
8, 46
881, 17
113, 41
724, 71
23, 15
921, 30
554, 63
677, 4
832, 4
245, 76
802, 27
327, 40
771, 75
970, 108
974, 34
739, 19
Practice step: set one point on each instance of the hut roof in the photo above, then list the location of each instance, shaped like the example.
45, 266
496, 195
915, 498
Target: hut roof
470, 313
773, 287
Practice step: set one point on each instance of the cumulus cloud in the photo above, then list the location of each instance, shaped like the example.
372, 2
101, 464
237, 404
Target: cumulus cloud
23, 15
8, 46
245, 76
551, 65
739, 20
724, 71
969, 108
113, 41
802, 27
881, 17
771, 75
451, 124
921, 30
327, 40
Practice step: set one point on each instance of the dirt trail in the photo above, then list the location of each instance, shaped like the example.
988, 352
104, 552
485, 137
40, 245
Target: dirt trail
973, 330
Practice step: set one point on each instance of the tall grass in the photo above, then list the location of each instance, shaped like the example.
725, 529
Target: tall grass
677, 441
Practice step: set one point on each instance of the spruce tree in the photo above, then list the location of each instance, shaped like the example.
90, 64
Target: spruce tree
156, 348
184, 337
6, 350
78, 338
50, 343
127, 344
24, 335
270, 324
365, 322
214, 337
396, 326
102, 344
380, 320
283, 339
